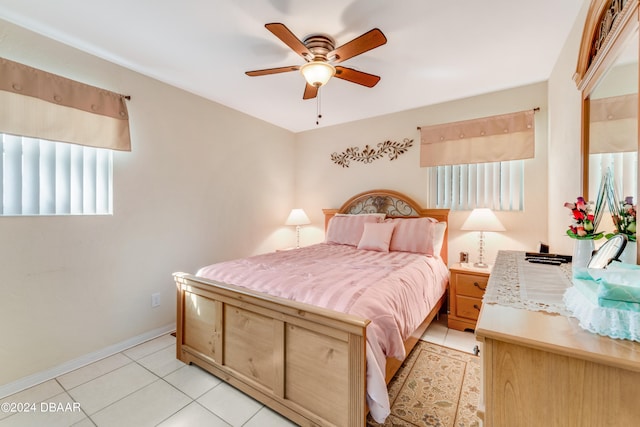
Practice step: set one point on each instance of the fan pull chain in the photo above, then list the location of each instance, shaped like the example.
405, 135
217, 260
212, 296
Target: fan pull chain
318, 112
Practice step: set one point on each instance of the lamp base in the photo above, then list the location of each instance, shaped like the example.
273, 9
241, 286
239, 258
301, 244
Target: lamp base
481, 263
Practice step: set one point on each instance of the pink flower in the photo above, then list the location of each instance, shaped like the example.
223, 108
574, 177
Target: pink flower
584, 221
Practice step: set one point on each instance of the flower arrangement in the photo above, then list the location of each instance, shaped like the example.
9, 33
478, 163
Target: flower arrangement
624, 218
623, 213
585, 219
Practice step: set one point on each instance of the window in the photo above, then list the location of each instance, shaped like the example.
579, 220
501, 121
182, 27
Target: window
478, 163
40, 177
496, 185
612, 120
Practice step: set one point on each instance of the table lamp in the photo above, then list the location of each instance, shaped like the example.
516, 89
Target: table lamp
482, 219
297, 217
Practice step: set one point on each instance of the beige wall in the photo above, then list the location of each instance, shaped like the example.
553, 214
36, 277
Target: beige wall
203, 183
322, 184
565, 104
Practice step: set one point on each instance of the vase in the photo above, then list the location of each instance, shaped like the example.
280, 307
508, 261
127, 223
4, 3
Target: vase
629, 253
582, 250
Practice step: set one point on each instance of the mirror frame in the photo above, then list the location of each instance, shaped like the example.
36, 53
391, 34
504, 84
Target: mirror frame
603, 39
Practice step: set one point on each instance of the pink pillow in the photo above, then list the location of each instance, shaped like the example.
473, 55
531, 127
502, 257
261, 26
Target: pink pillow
347, 229
376, 236
413, 235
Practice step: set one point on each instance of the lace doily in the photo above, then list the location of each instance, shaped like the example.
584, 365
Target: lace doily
517, 283
611, 322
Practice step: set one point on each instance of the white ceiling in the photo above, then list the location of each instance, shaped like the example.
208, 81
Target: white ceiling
436, 50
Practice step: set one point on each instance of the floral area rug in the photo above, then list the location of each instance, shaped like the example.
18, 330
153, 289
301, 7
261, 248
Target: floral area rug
435, 386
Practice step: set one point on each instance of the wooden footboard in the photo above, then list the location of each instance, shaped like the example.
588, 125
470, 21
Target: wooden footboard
305, 362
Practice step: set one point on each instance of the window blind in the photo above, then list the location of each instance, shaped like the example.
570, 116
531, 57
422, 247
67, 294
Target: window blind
495, 185
623, 166
40, 177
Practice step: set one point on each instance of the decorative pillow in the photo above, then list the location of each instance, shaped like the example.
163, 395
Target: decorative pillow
376, 236
348, 229
413, 235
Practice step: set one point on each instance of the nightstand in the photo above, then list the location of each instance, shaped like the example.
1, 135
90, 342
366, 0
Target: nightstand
466, 289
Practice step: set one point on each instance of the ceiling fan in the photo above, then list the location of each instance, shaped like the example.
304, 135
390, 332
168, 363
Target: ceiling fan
321, 55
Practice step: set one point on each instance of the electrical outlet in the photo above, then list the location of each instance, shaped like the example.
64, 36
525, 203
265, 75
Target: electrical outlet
155, 300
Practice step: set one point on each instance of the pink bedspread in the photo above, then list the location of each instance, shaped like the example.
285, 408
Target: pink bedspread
394, 290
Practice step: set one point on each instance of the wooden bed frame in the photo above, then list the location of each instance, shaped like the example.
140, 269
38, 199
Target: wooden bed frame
305, 362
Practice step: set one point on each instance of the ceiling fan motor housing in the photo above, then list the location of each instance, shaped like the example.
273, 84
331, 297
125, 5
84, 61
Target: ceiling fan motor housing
319, 45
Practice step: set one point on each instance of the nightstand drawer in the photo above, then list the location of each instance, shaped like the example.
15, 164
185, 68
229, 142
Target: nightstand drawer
466, 307
471, 285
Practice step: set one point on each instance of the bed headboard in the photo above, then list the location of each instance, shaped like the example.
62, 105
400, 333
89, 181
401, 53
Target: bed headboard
395, 205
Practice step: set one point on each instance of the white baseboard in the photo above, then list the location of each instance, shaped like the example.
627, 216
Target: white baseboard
40, 377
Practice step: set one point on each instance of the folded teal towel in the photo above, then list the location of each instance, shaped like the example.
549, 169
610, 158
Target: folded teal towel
589, 289
618, 282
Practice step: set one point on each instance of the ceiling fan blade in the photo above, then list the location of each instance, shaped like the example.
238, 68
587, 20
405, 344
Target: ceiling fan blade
367, 41
355, 76
288, 38
272, 71
310, 92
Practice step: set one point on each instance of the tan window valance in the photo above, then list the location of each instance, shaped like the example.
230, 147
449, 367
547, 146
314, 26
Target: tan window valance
613, 126
489, 139
39, 104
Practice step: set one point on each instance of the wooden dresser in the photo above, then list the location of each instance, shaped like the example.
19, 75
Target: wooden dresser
541, 369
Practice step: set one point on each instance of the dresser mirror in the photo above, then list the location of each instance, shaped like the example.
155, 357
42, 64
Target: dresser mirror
607, 75
613, 125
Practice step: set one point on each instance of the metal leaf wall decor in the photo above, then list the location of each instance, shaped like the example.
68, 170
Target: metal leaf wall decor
369, 154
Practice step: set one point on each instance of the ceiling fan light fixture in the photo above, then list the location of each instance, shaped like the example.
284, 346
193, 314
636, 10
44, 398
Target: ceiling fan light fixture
317, 73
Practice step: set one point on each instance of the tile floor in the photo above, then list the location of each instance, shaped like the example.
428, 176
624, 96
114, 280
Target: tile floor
147, 386
438, 333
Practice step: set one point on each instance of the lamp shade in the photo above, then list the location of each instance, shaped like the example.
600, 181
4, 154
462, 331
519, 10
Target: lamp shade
297, 217
482, 219
317, 73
